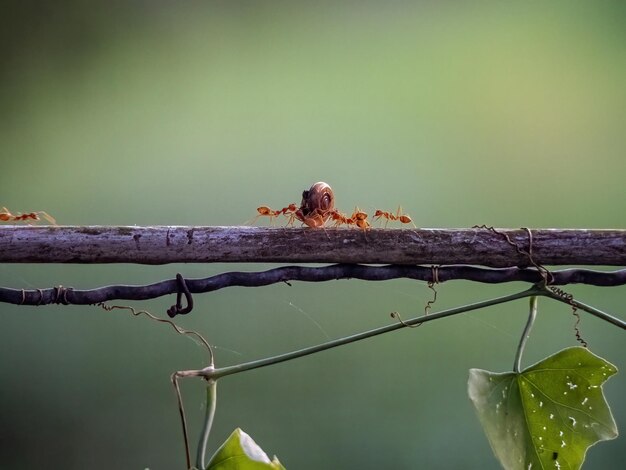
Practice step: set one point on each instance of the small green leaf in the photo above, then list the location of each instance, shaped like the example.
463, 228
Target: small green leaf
240, 452
548, 415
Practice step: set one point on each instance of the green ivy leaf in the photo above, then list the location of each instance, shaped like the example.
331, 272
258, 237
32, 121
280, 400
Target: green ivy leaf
548, 415
240, 452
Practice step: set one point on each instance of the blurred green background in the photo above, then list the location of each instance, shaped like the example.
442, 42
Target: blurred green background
510, 114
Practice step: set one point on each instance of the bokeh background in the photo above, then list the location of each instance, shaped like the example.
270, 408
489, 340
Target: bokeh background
195, 113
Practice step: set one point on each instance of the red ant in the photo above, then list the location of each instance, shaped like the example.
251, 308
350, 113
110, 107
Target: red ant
340, 218
358, 218
314, 219
7, 216
265, 211
290, 212
403, 218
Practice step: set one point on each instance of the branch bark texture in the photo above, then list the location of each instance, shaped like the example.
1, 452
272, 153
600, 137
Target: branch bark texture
183, 244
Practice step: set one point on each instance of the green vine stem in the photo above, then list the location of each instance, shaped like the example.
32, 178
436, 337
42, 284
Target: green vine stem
224, 371
535, 290
211, 374
546, 292
525, 335
211, 400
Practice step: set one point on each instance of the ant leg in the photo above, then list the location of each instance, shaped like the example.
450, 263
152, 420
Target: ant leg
252, 221
325, 232
48, 217
365, 228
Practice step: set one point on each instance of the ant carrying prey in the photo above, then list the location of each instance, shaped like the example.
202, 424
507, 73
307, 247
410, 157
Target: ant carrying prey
7, 216
317, 204
318, 207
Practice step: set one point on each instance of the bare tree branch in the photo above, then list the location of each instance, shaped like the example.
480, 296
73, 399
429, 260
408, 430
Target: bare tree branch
176, 244
66, 295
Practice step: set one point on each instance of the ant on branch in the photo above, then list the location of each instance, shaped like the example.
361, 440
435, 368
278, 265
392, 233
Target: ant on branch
358, 218
317, 204
290, 213
265, 211
318, 207
7, 216
399, 216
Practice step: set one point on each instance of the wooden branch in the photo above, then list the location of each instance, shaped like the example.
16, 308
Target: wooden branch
183, 244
